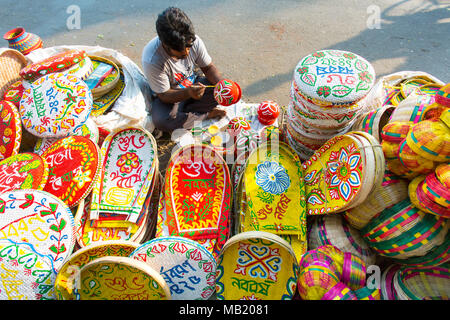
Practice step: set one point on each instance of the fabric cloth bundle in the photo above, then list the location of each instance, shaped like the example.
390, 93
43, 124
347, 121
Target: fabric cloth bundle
326, 89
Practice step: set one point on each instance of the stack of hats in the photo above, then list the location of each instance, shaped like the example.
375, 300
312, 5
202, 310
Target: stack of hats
325, 91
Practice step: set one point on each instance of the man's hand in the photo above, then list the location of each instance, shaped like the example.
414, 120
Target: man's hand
196, 91
216, 114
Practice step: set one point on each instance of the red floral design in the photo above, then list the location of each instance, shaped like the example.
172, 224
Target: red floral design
127, 162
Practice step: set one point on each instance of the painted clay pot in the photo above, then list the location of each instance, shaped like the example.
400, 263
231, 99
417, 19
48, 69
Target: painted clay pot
236, 125
227, 92
22, 41
268, 112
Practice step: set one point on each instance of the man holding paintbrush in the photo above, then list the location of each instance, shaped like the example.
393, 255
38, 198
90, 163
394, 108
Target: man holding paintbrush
171, 61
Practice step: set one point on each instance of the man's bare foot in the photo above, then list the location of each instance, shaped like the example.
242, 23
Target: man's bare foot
216, 114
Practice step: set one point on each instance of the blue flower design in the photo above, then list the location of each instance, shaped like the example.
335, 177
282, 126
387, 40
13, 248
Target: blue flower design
272, 177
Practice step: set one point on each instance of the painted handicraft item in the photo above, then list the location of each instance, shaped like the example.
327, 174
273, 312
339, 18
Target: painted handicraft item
256, 265
274, 191
25, 274
334, 77
188, 268
23, 171
40, 219
198, 194
129, 165
64, 283
333, 175
119, 278
74, 165
10, 129
55, 105
103, 103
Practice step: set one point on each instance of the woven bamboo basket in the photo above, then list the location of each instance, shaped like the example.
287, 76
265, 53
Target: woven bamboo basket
368, 294
403, 231
423, 284
11, 62
392, 190
431, 140
374, 121
443, 174
420, 200
411, 108
389, 150
436, 190
105, 88
387, 283
339, 292
334, 230
396, 131
395, 166
413, 161
353, 271
435, 257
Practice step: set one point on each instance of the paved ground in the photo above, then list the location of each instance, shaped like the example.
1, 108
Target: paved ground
257, 43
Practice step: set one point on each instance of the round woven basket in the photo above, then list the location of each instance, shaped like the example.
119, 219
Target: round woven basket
11, 62
387, 283
396, 131
420, 199
334, 230
353, 271
391, 191
339, 292
390, 149
431, 140
403, 231
413, 161
104, 88
368, 294
423, 284
374, 121
443, 174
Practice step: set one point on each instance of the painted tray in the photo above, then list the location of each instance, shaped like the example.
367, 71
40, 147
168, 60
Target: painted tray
25, 273
334, 175
55, 105
256, 265
334, 77
187, 267
81, 70
11, 62
23, 171
38, 218
103, 103
55, 63
74, 165
69, 271
10, 129
89, 130
120, 278
275, 191
129, 162
198, 194
104, 77
14, 93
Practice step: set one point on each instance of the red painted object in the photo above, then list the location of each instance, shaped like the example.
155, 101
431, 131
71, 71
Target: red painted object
268, 112
22, 41
227, 92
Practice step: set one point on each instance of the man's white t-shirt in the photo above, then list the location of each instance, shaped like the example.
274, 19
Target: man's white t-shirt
164, 72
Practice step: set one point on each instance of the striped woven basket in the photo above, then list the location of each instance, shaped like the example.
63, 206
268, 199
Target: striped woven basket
390, 150
395, 166
392, 190
420, 199
387, 288
11, 62
413, 161
396, 131
423, 284
403, 231
340, 292
368, 294
334, 230
374, 121
431, 140
443, 174
353, 271
411, 108
435, 257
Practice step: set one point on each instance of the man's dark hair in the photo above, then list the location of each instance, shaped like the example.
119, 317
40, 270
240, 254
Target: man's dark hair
175, 29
